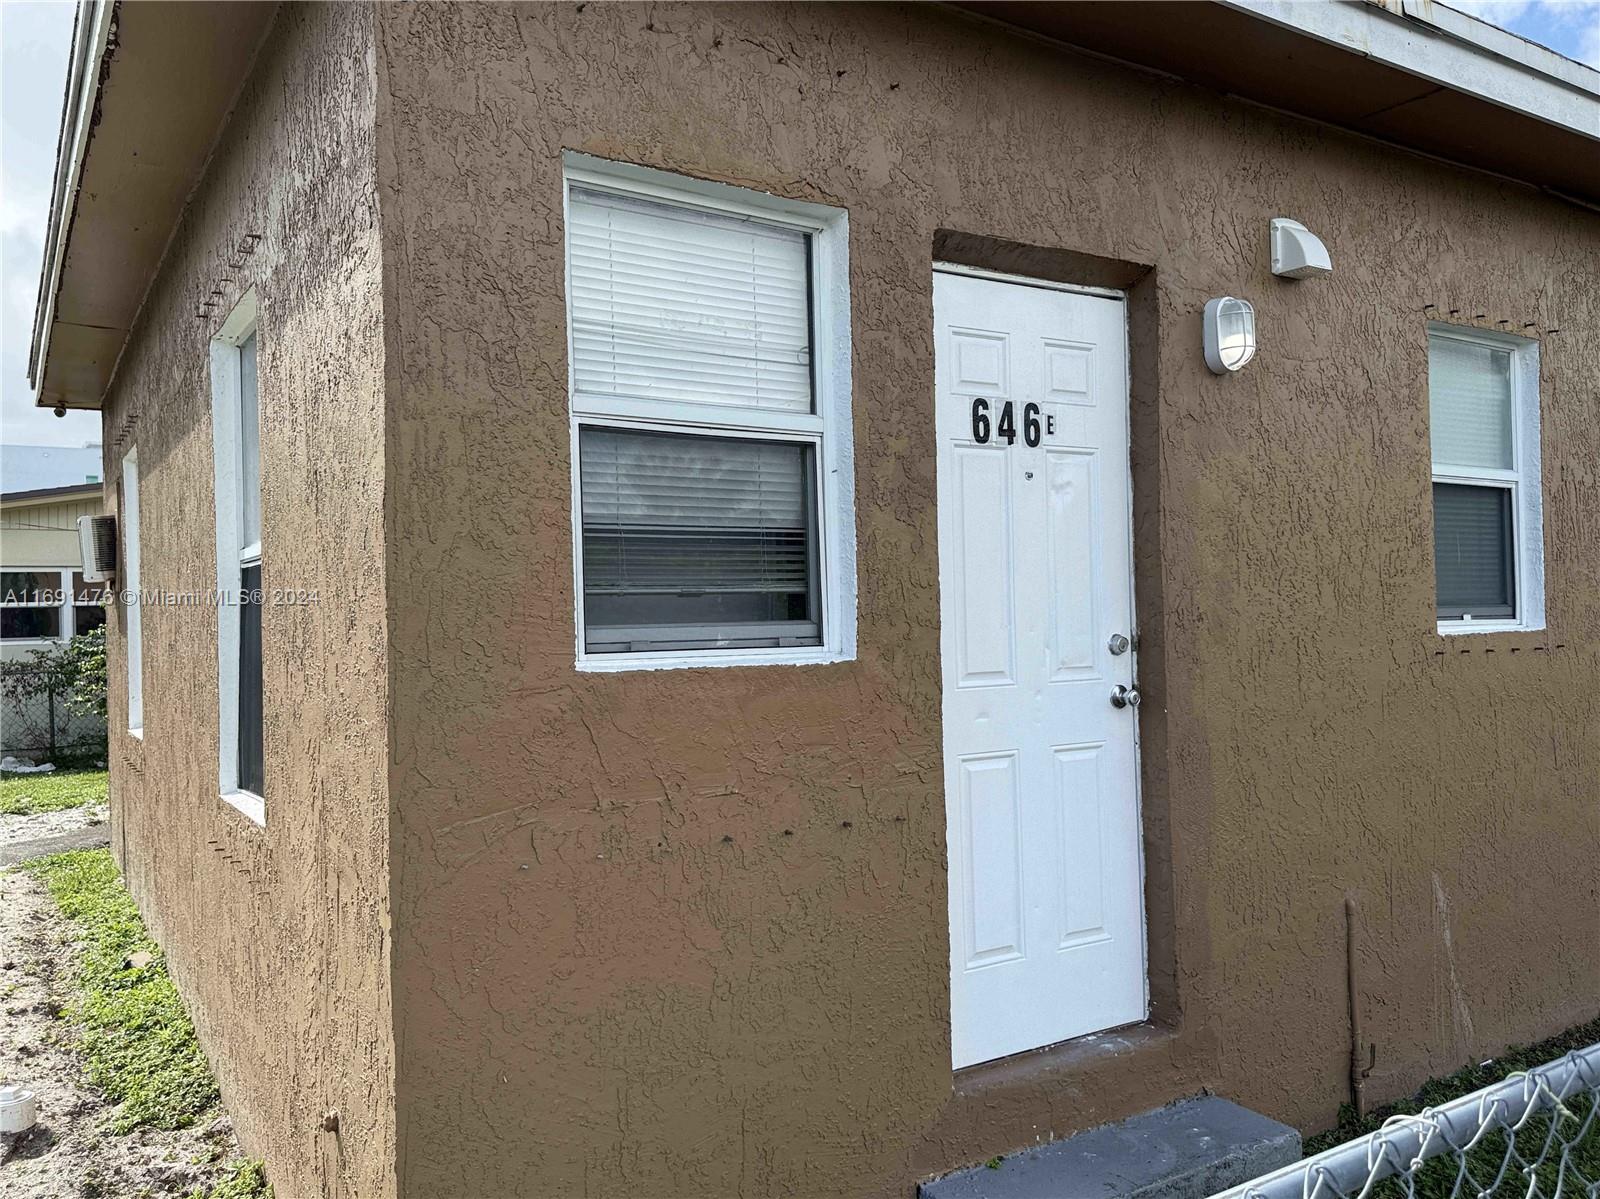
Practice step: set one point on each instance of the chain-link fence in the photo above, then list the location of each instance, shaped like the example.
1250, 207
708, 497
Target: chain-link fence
1535, 1135
42, 726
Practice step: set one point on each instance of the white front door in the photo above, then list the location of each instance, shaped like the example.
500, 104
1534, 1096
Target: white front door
1036, 605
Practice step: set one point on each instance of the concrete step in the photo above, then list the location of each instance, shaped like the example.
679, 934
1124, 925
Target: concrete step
1186, 1150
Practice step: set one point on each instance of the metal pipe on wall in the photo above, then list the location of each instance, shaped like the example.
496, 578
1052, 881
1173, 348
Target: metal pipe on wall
1360, 1065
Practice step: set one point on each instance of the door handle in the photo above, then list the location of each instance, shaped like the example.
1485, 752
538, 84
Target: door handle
1125, 697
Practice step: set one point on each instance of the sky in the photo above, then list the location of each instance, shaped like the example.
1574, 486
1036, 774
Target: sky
35, 46
35, 42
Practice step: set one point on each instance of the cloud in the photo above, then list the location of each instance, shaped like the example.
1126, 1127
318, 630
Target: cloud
1569, 27
1496, 12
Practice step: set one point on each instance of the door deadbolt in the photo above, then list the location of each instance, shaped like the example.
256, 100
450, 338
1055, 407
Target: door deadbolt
1119, 644
1125, 697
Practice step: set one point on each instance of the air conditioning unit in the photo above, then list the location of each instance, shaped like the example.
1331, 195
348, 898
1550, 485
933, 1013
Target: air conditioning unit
97, 543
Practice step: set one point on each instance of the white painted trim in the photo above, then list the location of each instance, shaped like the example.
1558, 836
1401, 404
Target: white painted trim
1453, 50
979, 272
77, 122
248, 802
132, 610
829, 427
66, 621
226, 446
1525, 481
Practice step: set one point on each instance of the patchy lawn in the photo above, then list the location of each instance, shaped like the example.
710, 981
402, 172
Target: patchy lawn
127, 1102
31, 794
1437, 1178
137, 1040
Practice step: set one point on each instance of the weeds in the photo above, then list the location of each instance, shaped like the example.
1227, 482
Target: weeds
244, 1180
29, 794
138, 1042
1437, 1178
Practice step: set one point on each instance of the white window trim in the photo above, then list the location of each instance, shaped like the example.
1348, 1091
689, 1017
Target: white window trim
226, 447
1525, 481
132, 611
65, 619
829, 427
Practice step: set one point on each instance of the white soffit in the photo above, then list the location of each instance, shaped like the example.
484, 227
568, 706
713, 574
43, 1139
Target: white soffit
1431, 41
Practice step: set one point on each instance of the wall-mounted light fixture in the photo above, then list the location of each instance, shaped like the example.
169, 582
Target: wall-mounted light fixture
1298, 253
1230, 334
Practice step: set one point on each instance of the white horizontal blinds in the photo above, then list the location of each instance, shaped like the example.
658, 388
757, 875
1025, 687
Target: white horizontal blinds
675, 303
1469, 402
673, 514
1473, 551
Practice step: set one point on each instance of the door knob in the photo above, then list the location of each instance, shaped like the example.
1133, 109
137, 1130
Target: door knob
1125, 697
1118, 644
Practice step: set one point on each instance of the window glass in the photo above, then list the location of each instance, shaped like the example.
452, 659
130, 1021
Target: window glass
30, 587
87, 617
1473, 552
26, 624
697, 541
251, 730
86, 592
1469, 402
674, 303
132, 611
249, 447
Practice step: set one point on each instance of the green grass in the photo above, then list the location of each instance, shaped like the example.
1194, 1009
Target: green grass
1437, 1178
27, 794
138, 1042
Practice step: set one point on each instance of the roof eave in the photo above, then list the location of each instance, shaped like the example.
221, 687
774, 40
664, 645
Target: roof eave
91, 43
150, 90
52, 493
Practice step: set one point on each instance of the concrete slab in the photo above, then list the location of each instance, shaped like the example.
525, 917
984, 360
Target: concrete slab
1186, 1150
95, 836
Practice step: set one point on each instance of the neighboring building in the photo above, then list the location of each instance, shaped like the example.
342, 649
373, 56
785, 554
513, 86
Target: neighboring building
44, 598
533, 360
43, 595
36, 467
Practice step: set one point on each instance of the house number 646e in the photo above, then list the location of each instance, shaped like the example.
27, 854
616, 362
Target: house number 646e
1006, 426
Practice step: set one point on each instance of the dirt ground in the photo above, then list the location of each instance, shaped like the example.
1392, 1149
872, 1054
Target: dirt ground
16, 829
70, 1153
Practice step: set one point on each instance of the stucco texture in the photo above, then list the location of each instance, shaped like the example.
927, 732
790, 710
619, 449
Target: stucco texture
684, 932
277, 935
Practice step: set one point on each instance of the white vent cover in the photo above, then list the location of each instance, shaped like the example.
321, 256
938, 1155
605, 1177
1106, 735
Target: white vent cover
1297, 253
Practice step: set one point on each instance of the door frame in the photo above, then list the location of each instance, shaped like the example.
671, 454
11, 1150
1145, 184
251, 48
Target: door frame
1121, 295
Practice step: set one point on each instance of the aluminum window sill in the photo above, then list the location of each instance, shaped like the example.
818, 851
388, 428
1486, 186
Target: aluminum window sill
1457, 628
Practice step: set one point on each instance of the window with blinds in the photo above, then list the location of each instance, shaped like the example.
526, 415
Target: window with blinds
676, 303
699, 441
696, 540
1478, 480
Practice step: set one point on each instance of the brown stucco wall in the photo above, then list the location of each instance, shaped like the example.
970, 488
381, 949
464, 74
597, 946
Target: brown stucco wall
684, 932
277, 936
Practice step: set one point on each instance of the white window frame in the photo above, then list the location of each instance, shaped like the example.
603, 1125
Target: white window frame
132, 610
1524, 481
66, 624
827, 427
227, 446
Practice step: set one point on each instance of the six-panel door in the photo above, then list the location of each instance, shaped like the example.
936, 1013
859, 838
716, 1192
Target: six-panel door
1035, 570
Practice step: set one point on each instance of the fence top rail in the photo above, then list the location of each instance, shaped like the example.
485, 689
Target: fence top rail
1405, 1142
